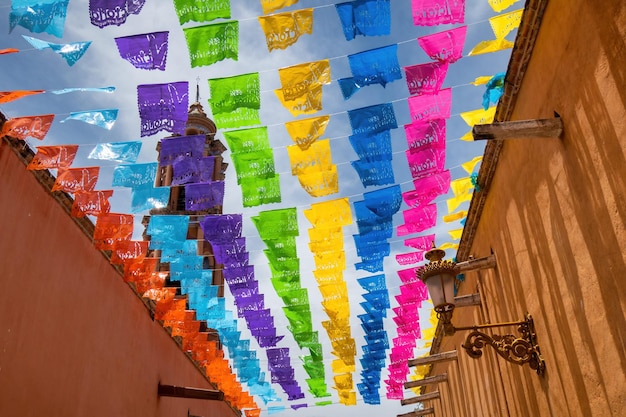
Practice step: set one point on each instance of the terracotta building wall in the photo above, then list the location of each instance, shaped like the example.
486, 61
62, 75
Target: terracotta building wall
554, 217
74, 339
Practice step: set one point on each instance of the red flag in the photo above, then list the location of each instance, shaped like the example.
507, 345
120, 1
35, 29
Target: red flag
74, 180
91, 202
111, 227
53, 157
129, 250
33, 126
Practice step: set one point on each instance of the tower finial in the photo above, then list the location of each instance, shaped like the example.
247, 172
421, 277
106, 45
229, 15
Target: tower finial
197, 89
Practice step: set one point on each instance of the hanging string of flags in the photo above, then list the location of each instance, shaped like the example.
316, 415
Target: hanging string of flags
235, 103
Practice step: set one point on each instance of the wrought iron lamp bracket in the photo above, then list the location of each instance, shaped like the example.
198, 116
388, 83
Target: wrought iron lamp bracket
516, 349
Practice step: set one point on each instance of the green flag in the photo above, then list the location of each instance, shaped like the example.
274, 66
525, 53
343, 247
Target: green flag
259, 164
212, 43
201, 10
258, 191
247, 140
231, 93
281, 248
275, 224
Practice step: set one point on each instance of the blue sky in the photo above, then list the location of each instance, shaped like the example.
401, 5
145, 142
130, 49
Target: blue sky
102, 66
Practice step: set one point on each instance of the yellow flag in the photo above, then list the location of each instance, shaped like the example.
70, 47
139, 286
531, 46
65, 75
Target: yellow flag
307, 104
284, 29
454, 216
270, 6
327, 276
340, 367
330, 213
325, 240
493, 45
347, 397
455, 234
479, 116
322, 183
461, 186
297, 80
336, 291
499, 5
455, 202
306, 131
470, 165
449, 245
330, 260
315, 159
335, 311
343, 381
481, 80
503, 24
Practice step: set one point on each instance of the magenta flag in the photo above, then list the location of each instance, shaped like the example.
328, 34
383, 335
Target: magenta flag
163, 107
428, 107
426, 78
446, 46
146, 51
410, 258
427, 189
426, 162
420, 242
418, 219
438, 12
426, 134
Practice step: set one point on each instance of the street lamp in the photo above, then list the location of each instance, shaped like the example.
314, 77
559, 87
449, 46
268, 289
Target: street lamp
439, 275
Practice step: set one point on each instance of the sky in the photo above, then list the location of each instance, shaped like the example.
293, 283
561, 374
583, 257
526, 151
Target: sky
102, 66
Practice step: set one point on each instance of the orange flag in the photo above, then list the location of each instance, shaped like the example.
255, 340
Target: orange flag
7, 96
8, 51
111, 227
33, 126
53, 157
74, 180
129, 250
94, 203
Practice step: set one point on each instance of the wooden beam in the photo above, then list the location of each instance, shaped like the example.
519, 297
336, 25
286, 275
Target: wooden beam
426, 381
467, 300
418, 413
437, 357
186, 392
424, 397
476, 264
519, 129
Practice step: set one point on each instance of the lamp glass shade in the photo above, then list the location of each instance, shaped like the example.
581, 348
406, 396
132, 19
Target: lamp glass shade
441, 288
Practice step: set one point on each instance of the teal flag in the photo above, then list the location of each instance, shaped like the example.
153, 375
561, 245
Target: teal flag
212, 43
201, 10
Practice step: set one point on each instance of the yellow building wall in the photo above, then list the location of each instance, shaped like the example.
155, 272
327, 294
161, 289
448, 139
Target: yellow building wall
554, 218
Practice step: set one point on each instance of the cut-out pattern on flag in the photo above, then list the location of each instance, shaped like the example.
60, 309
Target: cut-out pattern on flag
375, 304
163, 107
212, 43
135, 175
278, 230
426, 134
374, 150
235, 101
426, 78
75, 180
418, 219
428, 107
499, 5
501, 25
37, 17
201, 10
91, 203
427, 189
477, 117
28, 126
284, 29
70, 52
427, 161
314, 168
301, 86
376, 66
172, 149
101, 118
326, 243
270, 6
113, 12
446, 46
191, 170
146, 51
305, 132
116, 151
365, 17
436, 12
372, 119
129, 250
111, 228
147, 197
53, 157
202, 196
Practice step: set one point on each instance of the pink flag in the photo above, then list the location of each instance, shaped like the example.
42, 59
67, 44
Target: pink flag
430, 107
426, 162
421, 242
446, 46
418, 219
427, 189
438, 12
410, 258
426, 134
426, 78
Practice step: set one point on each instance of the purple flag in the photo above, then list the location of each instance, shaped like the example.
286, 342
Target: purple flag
191, 170
204, 195
183, 146
146, 51
163, 107
224, 227
112, 12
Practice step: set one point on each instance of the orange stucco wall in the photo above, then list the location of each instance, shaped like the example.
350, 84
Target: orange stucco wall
554, 217
74, 339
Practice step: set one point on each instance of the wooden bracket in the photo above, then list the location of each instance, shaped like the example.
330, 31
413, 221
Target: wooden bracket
519, 129
426, 381
186, 392
418, 413
437, 357
424, 397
